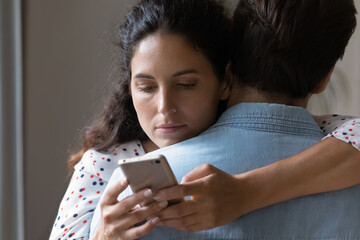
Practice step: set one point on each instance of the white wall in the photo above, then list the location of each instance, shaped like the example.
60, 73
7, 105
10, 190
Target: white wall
343, 94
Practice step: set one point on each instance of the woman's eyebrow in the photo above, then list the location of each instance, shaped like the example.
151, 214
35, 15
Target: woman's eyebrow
142, 75
189, 71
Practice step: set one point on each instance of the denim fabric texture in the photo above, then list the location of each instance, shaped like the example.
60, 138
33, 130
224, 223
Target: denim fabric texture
253, 135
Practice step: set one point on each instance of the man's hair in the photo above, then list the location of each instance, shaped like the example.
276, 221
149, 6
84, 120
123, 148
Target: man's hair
289, 46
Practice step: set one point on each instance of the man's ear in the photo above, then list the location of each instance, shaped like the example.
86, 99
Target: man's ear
225, 86
323, 84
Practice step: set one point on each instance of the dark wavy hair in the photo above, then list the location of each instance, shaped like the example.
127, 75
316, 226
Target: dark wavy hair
205, 26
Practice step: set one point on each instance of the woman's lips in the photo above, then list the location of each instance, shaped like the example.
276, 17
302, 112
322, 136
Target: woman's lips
169, 128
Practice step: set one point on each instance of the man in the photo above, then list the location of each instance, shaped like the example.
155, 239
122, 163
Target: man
284, 51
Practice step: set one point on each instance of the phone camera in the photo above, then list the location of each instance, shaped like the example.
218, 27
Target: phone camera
157, 161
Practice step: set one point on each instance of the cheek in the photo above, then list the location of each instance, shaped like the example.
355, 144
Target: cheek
204, 110
143, 112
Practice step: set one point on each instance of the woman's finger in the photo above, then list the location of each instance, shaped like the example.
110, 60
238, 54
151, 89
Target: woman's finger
192, 184
142, 230
195, 222
180, 191
111, 194
131, 201
142, 214
186, 223
185, 208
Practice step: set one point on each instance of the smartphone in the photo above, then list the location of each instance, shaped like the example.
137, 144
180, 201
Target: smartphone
152, 172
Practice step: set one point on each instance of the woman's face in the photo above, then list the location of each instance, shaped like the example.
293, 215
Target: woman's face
174, 89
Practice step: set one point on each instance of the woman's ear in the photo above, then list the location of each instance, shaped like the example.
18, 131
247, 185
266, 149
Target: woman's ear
225, 86
323, 84
224, 91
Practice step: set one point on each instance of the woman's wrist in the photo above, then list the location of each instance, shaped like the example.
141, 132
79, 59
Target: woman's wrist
263, 187
251, 193
277, 182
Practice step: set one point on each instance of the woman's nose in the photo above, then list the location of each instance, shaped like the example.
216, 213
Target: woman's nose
166, 102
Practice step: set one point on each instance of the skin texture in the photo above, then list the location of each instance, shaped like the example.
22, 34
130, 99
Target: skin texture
174, 89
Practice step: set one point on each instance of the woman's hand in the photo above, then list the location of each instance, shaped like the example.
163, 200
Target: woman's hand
217, 198
118, 218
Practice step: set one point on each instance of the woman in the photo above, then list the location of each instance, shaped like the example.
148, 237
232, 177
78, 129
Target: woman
189, 40
193, 63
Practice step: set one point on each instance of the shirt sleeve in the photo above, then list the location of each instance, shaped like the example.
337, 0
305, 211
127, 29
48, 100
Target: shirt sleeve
78, 204
115, 178
344, 128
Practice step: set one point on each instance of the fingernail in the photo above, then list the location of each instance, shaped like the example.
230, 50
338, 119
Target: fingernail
123, 182
183, 180
156, 196
163, 204
155, 220
148, 193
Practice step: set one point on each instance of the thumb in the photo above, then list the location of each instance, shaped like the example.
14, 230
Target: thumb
110, 196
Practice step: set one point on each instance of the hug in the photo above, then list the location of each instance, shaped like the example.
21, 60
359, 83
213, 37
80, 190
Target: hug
224, 100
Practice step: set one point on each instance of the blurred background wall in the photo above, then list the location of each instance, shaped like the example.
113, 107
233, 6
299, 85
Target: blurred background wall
67, 59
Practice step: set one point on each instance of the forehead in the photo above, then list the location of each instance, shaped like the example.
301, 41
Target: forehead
168, 50
165, 42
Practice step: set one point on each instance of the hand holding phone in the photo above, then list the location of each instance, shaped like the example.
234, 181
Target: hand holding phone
152, 172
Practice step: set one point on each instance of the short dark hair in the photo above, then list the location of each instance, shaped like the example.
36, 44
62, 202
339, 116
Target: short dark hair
289, 46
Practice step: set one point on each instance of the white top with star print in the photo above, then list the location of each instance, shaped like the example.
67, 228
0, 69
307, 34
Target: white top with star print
90, 178
93, 172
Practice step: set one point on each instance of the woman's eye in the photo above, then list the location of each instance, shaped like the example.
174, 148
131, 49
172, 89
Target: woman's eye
187, 85
146, 88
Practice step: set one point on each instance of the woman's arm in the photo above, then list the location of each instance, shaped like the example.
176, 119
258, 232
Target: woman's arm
327, 166
219, 198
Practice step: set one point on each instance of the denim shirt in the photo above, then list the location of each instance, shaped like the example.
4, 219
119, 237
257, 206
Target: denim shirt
253, 135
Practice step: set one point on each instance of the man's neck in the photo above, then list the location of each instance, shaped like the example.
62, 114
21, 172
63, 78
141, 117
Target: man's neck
249, 94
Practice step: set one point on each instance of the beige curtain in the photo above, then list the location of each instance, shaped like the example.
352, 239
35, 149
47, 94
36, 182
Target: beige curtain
11, 127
